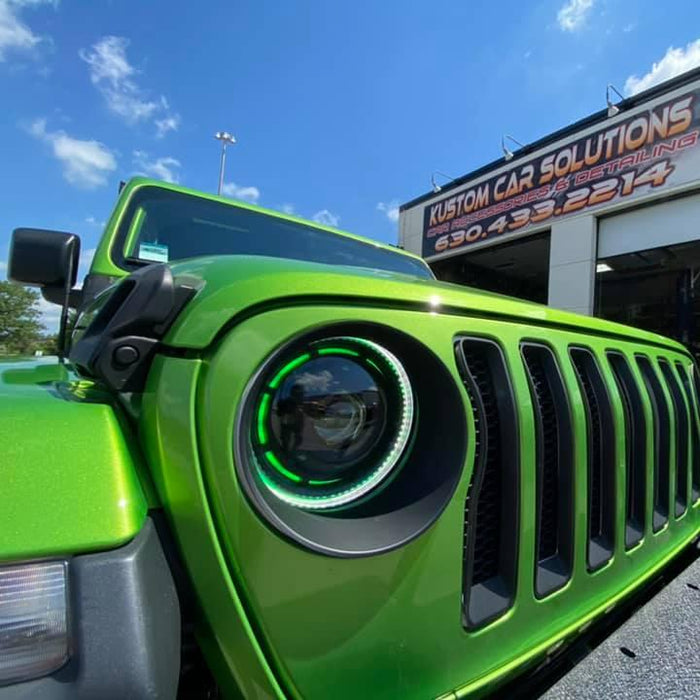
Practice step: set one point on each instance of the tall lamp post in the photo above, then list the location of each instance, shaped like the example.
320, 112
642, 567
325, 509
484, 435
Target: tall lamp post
225, 139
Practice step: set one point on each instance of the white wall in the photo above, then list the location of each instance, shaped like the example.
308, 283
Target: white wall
411, 230
666, 223
572, 261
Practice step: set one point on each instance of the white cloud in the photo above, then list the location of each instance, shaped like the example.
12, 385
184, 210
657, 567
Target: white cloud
166, 124
315, 383
50, 315
94, 222
288, 209
326, 218
247, 193
674, 62
113, 75
629, 27
165, 168
391, 209
86, 163
573, 15
16, 35
3, 267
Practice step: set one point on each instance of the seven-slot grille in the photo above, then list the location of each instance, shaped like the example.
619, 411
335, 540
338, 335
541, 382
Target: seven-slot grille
606, 383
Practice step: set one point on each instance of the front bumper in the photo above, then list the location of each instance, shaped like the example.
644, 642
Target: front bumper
125, 635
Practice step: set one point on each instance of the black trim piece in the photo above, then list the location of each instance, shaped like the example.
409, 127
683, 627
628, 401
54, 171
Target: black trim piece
121, 341
694, 428
492, 508
126, 634
554, 454
601, 457
662, 442
681, 432
635, 448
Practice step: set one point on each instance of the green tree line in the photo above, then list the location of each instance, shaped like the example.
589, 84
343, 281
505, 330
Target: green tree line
21, 331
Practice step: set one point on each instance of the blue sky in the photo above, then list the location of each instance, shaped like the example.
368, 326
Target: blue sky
341, 110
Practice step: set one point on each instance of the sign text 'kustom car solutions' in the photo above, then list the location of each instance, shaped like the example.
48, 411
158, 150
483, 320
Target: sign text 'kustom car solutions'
646, 150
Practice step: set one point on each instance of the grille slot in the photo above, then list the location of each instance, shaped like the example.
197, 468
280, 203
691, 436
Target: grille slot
491, 517
662, 443
694, 427
601, 458
554, 451
682, 428
635, 446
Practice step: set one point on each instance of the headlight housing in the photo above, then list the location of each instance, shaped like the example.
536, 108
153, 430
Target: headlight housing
329, 447
332, 423
33, 620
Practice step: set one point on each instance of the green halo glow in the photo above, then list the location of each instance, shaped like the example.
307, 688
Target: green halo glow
271, 457
287, 369
262, 418
344, 493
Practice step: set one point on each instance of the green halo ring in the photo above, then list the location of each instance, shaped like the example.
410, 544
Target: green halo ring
288, 486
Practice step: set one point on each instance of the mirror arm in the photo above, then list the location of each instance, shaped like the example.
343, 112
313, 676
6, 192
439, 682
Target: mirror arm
62, 335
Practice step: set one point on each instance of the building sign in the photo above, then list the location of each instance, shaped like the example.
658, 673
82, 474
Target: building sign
650, 149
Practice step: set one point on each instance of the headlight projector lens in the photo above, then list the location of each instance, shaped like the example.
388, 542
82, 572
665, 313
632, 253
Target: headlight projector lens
332, 423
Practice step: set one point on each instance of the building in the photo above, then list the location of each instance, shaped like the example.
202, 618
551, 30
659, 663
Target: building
602, 217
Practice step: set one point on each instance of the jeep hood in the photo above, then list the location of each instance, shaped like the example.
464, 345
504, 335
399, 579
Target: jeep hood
229, 287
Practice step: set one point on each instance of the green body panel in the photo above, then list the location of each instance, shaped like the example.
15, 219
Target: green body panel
229, 286
390, 624
103, 261
69, 475
170, 441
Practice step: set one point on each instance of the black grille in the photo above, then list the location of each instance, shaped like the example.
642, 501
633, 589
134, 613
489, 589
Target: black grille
635, 448
491, 518
487, 536
554, 463
694, 427
601, 458
682, 426
662, 442
490, 558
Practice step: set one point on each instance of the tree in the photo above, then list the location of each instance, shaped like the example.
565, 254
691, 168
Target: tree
20, 328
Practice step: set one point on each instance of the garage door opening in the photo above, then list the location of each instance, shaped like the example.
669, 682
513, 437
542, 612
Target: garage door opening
518, 269
656, 290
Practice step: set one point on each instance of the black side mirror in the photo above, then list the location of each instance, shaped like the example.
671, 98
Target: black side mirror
47, 259
44, 258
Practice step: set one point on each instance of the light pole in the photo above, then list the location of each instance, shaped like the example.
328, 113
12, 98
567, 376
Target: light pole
225, 139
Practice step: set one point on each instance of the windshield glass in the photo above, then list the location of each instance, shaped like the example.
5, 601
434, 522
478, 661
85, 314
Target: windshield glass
162, 226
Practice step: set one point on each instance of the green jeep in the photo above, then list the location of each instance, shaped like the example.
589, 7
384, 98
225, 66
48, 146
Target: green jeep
280, 461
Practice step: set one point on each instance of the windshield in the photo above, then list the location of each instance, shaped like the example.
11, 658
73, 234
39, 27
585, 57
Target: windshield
162, 225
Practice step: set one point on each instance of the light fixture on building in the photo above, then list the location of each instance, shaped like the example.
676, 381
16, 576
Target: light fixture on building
603, 267
435, 186
613, 109
507, 153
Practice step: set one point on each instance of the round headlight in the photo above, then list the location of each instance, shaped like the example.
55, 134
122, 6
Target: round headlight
332, 423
